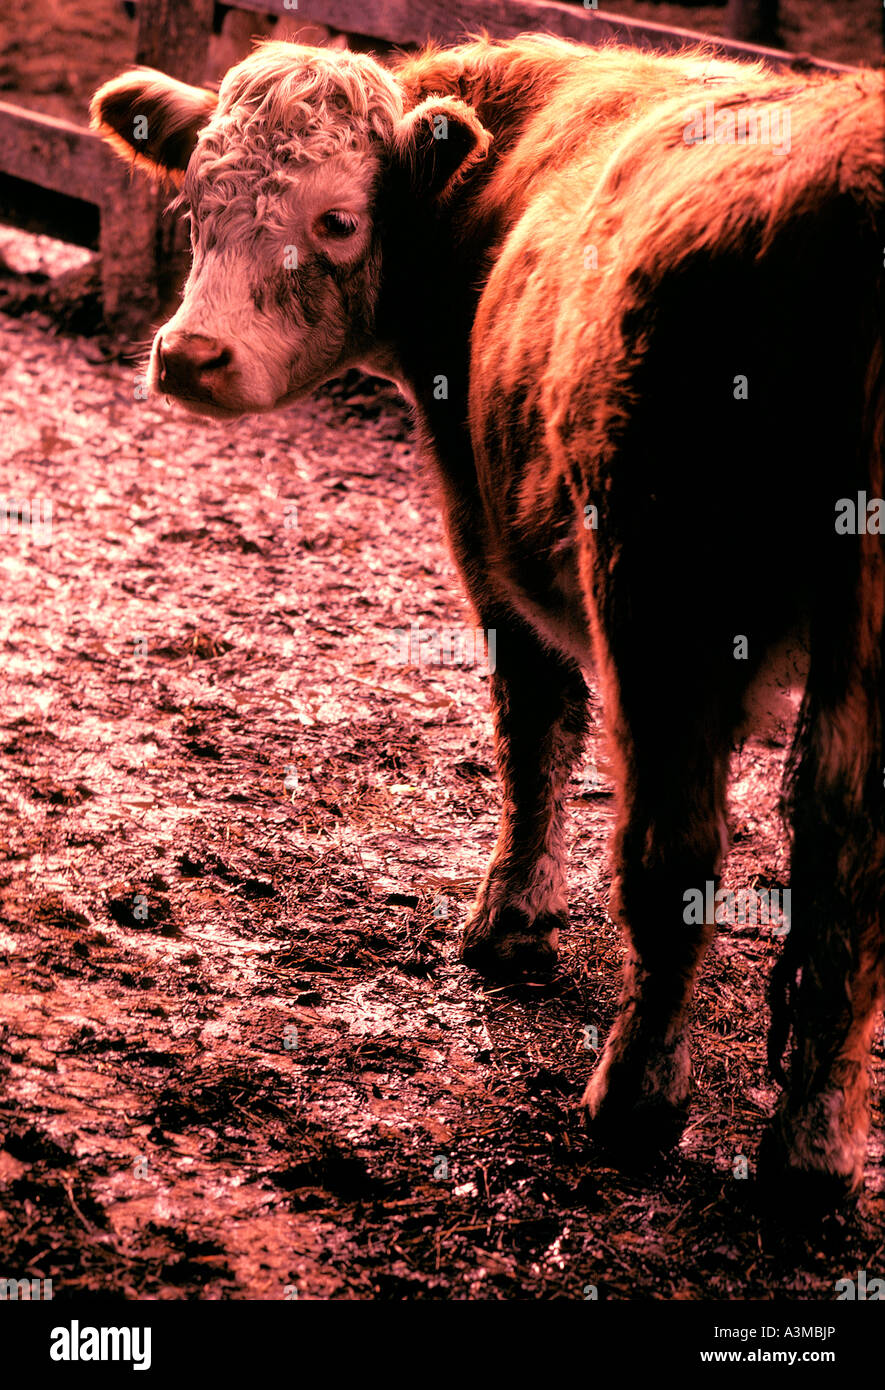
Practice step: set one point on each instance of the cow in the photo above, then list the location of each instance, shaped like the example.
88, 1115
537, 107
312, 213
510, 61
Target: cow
636, 302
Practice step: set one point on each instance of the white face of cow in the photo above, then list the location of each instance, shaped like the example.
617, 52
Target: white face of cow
282, 290
280, 179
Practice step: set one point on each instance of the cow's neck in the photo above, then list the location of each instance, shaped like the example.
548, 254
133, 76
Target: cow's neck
424, 319
436, 260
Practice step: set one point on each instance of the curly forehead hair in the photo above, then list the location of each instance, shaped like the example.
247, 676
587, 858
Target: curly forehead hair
298, 103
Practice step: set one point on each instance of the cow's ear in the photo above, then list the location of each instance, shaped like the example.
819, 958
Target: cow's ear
438, 142
152, 120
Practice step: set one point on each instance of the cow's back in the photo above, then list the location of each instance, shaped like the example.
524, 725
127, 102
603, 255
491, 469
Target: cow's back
636, 290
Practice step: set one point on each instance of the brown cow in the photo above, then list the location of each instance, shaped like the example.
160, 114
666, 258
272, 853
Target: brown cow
636, 301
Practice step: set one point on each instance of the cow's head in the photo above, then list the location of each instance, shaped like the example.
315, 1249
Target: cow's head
281, 175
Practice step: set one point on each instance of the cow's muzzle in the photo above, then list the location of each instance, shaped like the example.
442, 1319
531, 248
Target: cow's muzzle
192, 366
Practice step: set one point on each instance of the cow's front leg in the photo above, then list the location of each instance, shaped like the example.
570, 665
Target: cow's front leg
540, 709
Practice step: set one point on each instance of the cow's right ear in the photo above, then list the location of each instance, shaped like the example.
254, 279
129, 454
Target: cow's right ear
438, 142
152, 120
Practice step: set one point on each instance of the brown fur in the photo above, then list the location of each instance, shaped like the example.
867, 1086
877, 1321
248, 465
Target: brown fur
590, 283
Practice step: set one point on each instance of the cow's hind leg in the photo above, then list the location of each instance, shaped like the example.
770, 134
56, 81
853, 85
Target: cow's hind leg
539, 704
670, 839
828, 985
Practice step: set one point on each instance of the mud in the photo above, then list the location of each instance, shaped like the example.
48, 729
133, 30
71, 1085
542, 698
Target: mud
239, 840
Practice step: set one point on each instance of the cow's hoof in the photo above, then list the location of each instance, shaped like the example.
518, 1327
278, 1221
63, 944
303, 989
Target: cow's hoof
639, 1112
636, 1134
800, 1168
510, 946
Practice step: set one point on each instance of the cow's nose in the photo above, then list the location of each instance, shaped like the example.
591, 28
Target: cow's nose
188, 362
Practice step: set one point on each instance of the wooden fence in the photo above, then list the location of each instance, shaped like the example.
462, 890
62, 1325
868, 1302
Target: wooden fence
136, 244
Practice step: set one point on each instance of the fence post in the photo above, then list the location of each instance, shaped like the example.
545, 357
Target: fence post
130, 213
173, 35
143, 253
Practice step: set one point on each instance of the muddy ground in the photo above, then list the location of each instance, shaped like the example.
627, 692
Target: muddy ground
239, 839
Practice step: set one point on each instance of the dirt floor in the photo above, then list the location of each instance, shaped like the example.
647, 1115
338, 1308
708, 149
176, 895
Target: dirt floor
238, 1057
239, 839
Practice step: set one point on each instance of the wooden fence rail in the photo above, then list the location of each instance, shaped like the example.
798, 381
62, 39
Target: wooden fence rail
416, 21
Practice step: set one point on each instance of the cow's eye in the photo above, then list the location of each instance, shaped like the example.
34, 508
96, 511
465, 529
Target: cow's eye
337, 224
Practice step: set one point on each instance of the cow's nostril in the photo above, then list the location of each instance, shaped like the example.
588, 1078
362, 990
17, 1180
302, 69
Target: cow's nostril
218, 362
187, 362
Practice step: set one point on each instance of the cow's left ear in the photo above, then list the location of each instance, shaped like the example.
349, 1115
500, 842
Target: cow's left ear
152, 120
438, 142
